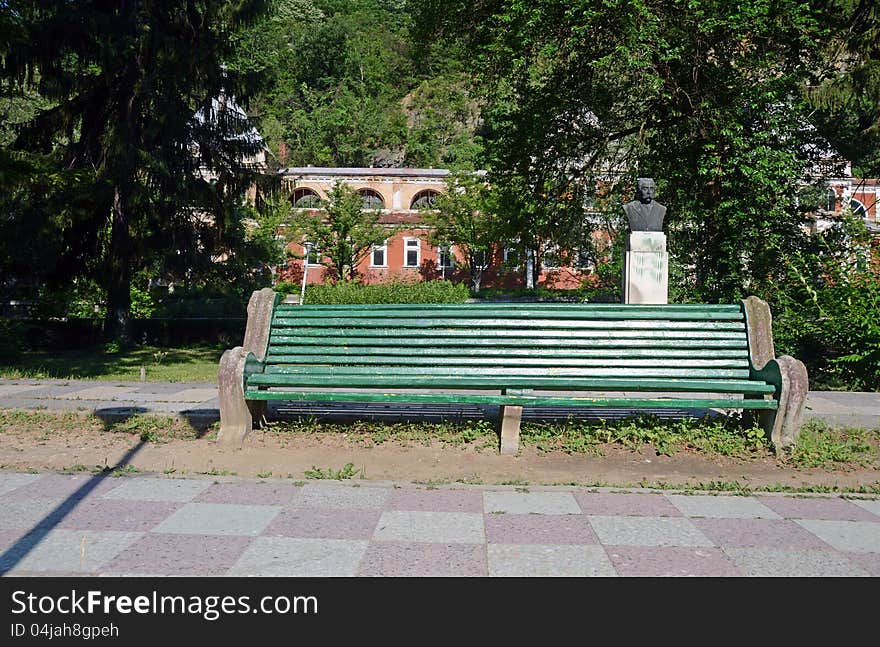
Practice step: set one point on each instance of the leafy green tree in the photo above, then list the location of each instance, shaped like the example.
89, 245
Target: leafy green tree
343, 231
464, 216
135, 141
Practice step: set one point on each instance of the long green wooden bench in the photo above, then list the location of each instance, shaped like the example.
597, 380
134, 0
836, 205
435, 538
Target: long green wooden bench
513, 355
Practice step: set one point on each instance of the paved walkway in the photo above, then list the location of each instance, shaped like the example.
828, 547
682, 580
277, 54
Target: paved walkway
90, 525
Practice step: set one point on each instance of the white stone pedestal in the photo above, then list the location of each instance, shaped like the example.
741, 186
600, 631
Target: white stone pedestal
646, 268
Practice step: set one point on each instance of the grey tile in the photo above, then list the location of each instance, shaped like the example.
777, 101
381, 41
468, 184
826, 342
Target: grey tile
441, 527
179, 555
648, 531
531, 502
422, 559
71, 551
666, 561
535, 560
721, 507
11, 481
768, 562
24, 513
299, 557
848, 536
341, 497
158, 489
66, 486
869, 562
219, 519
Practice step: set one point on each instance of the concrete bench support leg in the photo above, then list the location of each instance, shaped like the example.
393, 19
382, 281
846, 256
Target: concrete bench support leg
511, 417
236, 418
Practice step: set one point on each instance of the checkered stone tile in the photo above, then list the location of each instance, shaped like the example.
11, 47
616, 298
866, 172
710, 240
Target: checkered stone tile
407, 559
66, 486
666, 561
721, 507
538, 529
341, 497
219, 519
872, 506
442, 527
67, 551
636, 504
869, 562
531, 502
11, 481
759, 533
158, 489
831, 509
25, 513
517, 560
647, 531
179, 555
299, 557
8, 538
848, 536
768, 562
250, 493
436, 500
120, 514
324, 524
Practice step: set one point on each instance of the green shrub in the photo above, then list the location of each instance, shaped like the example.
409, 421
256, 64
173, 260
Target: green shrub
348, 292
12, 340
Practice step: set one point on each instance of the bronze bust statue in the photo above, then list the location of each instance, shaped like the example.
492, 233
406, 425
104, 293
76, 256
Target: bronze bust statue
643, 213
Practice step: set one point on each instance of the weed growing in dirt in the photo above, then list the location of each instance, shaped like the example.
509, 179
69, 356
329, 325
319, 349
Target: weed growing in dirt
346, 472
824, 446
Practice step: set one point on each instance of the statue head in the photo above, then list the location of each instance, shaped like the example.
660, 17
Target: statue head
645, 190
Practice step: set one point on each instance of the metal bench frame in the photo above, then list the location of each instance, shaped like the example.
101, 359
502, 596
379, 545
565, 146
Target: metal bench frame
500, 355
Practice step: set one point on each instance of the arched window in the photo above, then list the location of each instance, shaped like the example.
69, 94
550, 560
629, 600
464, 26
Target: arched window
858, 209
372, 199
305, 199
424, 199
830, 200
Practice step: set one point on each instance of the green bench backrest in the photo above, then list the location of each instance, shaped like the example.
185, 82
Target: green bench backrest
669, 342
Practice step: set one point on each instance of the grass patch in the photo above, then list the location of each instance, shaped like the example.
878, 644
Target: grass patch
197, 363
824, 446
346, 472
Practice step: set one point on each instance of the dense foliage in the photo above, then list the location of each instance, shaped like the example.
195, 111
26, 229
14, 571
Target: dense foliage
342, 292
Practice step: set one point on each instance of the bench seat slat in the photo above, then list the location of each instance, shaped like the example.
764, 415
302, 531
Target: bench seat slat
510, 382
526, 400
491, 359
341, 372
518, 342
491, 322
502, 333
508, 306
277, 353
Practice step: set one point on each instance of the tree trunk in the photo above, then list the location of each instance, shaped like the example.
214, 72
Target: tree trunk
117, 324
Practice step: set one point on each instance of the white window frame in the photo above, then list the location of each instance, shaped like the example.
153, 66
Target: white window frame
417, 248
485, 262
384, 249
450, 257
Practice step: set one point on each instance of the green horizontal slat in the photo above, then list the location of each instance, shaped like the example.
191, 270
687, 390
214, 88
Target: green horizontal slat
490, 359
525, 400
513, 342
296, 350
561, 314
491, 322
504, 306
469, 333
342, 372
495, 323
511, 382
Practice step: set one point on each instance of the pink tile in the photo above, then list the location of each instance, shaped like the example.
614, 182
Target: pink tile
637, 504
324, 524
245, 493
62, 486
817, 508
173, 554
405, 559
650, 561
118, 514
435, 500
539, 529
870, 562
758, 533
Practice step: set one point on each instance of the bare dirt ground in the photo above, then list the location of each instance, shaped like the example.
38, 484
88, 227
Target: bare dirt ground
52, 447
